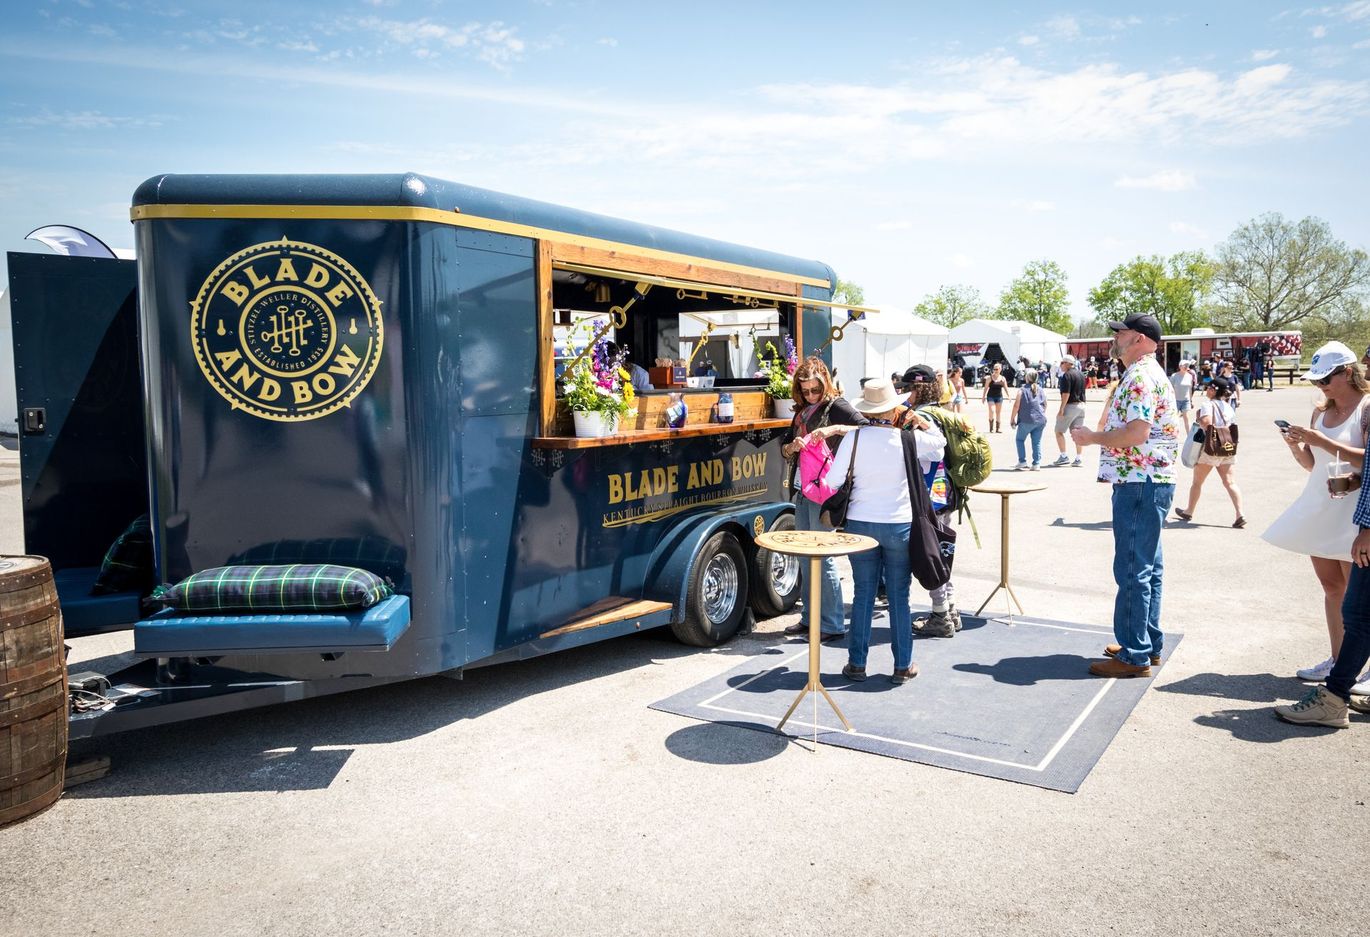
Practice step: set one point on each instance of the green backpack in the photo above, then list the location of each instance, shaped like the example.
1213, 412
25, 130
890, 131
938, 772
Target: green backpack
968, 458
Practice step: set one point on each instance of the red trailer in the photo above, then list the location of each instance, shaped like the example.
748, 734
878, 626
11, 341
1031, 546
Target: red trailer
1205, 344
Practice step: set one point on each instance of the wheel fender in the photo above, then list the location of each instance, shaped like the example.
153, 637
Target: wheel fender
673, 561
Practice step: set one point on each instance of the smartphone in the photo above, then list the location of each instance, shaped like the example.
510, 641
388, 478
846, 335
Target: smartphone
1283, 425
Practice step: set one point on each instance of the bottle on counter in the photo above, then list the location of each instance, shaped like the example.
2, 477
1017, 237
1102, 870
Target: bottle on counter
676, 411
724, 411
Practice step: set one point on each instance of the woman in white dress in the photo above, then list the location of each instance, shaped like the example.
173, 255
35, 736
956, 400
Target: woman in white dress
1215, 411
1316, 524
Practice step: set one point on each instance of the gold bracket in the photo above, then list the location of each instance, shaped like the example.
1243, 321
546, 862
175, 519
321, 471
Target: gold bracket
703, 340
618, 318
835, 333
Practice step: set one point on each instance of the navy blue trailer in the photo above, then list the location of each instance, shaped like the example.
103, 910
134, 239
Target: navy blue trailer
364, 367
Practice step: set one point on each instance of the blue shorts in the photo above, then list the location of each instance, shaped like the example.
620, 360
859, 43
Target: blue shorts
1183, 404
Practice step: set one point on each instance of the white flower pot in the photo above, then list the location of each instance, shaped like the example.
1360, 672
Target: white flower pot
784, 409
594, 424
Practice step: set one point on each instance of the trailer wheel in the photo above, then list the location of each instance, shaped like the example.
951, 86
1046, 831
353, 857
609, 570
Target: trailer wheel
775, 577
717, 598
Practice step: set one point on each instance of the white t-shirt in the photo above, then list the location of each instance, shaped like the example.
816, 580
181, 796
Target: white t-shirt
1226, 416
1183, 382
880, 486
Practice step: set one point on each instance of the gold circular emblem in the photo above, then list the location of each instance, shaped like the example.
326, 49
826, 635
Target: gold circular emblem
287, 331
759, 524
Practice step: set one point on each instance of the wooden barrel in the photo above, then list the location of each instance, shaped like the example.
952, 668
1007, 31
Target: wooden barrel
33, 689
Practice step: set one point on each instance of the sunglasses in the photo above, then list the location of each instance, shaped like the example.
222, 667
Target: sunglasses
816, 390
1324, 381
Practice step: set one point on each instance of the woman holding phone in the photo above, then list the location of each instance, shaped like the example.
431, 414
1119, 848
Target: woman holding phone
1317, 524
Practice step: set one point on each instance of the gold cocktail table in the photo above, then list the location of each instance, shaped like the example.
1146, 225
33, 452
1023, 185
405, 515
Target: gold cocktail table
1004, 489
816, 545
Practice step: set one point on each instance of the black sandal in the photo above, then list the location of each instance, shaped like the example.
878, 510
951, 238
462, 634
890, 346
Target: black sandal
1185, 515
1239, 523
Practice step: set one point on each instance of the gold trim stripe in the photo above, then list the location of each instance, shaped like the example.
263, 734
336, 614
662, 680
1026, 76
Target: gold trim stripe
455, 219
720, 291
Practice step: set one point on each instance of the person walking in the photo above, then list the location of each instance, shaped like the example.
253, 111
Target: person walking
1328, 705
820, 412
931, 443
881, 507
993, 394
1071, 412
1316, 524
1182, 381
1229, 373
1215, 411
1140, 443
958, 392
1030, 418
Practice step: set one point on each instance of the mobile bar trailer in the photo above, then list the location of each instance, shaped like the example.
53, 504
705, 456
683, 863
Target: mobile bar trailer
417, 433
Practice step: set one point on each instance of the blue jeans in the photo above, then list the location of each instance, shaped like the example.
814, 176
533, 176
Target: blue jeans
1355, 642
1035, 431
834, 609
1138, 511
892, 559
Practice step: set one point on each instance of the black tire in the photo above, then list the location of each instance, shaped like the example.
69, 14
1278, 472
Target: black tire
717, 598
776, 582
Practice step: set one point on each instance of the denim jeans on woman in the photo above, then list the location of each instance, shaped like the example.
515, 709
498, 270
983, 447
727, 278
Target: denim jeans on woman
891, 559
1355, 642
806, 518
1139, 508
1035, 431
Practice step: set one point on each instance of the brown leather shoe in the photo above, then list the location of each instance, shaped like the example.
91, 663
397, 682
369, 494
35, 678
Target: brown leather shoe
1117, 668
1113, 650
904, 676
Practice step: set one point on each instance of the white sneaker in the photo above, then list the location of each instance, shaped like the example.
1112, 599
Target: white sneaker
1020, 467
1362, 686
1036, 468
1062, 459
1317, 672
1078, 462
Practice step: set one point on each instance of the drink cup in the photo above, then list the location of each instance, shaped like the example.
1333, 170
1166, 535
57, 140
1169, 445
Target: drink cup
1338, 478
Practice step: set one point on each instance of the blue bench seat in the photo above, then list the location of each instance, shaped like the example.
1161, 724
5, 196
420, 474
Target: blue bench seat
167, 634
83, 613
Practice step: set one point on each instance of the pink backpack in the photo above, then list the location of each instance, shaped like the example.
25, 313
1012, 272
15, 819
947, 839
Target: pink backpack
815, 458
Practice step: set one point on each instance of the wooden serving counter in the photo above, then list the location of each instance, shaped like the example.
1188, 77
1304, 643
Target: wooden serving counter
752, 410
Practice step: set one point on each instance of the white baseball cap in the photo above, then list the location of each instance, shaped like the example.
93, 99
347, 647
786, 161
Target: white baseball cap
1327, 359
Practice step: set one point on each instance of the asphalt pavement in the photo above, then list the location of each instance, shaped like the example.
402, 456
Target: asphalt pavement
546, 798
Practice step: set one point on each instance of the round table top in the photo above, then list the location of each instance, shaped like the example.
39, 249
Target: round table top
995, 486
814, 542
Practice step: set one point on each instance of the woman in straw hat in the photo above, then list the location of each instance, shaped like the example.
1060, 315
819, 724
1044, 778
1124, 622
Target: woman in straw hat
882, 508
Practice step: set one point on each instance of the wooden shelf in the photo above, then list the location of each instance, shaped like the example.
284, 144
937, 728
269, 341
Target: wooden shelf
652, 435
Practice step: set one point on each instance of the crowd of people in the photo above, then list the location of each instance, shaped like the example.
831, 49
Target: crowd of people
901, 500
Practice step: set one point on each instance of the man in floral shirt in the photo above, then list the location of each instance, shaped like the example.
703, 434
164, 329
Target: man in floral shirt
1141, 442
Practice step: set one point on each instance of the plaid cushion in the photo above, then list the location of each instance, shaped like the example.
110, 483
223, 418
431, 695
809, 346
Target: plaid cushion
127, 566
296, 588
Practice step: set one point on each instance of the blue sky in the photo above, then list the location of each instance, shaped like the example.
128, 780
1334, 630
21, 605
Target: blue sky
910, 145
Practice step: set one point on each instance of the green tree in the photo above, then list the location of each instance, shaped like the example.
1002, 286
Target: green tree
847, 292
1273, 273
1038, 296
1171, 289
952, 305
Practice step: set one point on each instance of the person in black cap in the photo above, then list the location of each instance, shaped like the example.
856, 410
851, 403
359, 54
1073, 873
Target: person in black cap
1215, 411
1141, 443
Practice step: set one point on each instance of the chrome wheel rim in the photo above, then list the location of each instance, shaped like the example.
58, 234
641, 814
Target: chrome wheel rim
720, 588
784, 573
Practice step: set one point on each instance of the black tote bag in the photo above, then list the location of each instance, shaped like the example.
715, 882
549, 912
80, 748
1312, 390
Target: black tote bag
932, 542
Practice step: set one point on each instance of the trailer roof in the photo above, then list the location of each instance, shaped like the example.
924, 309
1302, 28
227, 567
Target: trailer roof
423, 198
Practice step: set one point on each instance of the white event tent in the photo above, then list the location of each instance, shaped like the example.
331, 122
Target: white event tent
883, 343
1015, 338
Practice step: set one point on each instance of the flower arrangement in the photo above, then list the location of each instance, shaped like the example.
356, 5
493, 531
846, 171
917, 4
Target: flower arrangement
599, 382
778, 371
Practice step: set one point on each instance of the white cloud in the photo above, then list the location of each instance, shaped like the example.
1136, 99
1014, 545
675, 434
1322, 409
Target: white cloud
1169, 180
1029, 40
1358, 10
1263, 55
1363, 44
84, 120
1066, 27
493, 43
961, 261
609, 41
1318, 32
1188, 230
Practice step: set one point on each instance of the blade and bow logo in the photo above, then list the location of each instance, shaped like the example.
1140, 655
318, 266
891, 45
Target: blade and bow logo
286, 330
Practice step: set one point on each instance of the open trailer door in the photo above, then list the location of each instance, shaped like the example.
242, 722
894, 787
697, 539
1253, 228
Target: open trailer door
83, 459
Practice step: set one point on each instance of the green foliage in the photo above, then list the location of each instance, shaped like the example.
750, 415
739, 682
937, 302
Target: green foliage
848, 293
598, 382
1172, 289
1038, 296
952, 305
779, 371
1273, 273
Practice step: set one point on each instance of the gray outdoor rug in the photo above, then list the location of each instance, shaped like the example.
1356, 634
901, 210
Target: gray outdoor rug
1012, 702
